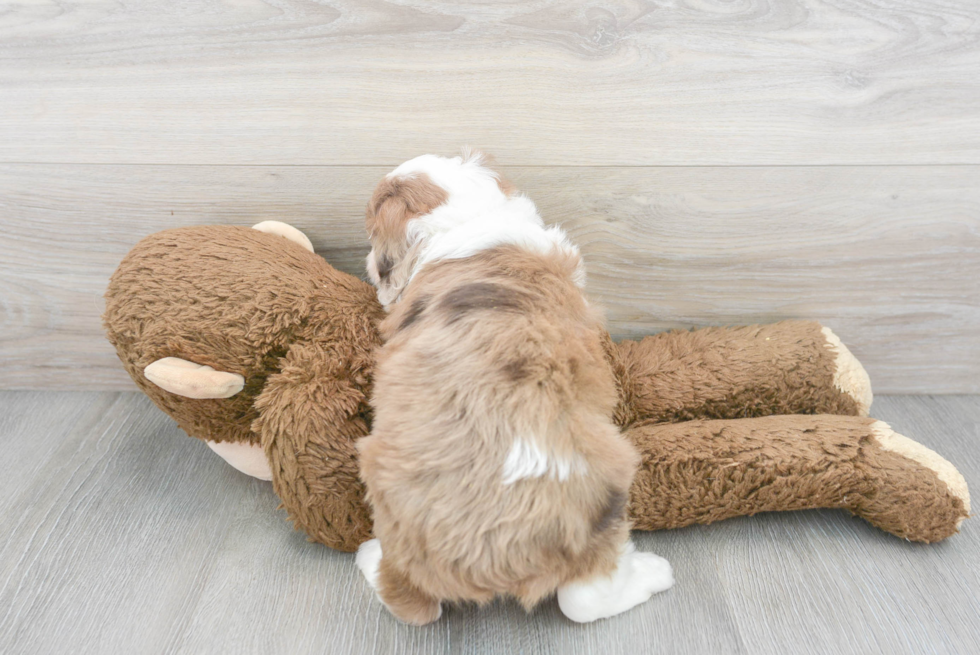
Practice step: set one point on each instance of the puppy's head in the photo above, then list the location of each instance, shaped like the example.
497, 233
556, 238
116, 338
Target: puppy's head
421, 198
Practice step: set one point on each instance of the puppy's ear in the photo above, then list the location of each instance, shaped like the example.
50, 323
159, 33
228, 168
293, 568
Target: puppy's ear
397, 200
488, 162
505, 185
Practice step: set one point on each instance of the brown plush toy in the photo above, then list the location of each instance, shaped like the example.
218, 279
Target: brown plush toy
255, 344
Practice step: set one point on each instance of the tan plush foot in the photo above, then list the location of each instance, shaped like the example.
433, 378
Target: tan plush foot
192, 380
284, 230
896, 443
850, 377
248, 458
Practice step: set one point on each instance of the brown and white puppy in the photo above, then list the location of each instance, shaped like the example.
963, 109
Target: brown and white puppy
493, 466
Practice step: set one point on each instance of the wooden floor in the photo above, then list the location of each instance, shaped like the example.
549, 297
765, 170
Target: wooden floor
122, 535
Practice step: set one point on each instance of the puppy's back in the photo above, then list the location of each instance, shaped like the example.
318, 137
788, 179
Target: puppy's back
493, 465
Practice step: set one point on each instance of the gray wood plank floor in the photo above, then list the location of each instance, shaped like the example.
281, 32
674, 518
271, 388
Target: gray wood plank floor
122, 535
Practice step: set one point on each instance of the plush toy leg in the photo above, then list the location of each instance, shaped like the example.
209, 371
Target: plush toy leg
284, 230
705, 471
792, 367
309, 421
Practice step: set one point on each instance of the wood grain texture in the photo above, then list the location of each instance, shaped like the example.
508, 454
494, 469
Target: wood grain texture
887, 257
122, 535
547, 82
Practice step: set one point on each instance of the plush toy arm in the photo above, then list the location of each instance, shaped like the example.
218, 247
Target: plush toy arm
791, 367
705, 471
309, 420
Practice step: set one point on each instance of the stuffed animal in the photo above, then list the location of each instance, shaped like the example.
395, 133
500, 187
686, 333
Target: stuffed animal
255, 344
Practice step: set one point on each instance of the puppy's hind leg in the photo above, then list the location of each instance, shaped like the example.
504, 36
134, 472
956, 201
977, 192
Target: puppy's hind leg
402, 598
637, 577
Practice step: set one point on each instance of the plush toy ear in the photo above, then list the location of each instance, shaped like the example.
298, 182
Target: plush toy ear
184, 378
284, 230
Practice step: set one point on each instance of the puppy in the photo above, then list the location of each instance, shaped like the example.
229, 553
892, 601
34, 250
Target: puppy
493, 466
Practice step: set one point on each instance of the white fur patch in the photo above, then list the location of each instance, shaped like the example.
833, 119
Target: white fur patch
477, 215
526, 460
368, 560
637, 577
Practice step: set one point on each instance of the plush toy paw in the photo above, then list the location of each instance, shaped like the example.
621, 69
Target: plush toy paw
924, 499
850, 377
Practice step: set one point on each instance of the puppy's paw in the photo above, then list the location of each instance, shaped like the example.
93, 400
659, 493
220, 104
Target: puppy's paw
638, 576
419, 613
368, 560
653, 572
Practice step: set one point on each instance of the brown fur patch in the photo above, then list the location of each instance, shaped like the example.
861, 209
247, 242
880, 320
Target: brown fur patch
385, 264
396, 200
615, 509
414, 312
516, 369
482, 295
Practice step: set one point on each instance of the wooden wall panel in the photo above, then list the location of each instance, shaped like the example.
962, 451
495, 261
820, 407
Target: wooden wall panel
548, 82
889, 257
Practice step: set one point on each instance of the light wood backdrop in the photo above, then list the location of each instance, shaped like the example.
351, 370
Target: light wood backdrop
719, 161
